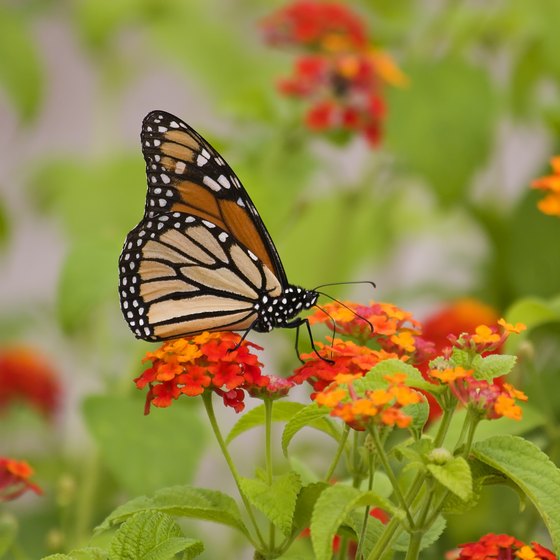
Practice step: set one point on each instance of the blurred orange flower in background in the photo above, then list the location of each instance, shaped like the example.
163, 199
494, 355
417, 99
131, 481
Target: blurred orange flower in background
550, 204
14, 479
27, 377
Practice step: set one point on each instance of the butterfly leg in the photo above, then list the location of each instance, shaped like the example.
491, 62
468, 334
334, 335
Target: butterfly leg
243, 337
296, 324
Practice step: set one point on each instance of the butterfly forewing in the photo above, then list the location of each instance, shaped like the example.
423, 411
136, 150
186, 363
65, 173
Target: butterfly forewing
201, 259
185, 174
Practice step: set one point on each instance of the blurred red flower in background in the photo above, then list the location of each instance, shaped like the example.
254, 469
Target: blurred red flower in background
14, 479
27, 377
461, 316
339, 73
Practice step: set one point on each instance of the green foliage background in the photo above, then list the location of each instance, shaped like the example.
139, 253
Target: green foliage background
442, 210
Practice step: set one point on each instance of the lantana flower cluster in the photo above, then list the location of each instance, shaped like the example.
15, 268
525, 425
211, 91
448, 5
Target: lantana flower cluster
498, 547
550, 184
15, 479
220, 362
338, 72
358, 408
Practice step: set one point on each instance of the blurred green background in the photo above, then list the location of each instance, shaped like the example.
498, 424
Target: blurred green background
442, 209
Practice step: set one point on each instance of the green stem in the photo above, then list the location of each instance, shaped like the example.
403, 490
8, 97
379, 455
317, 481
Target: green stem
443, 427
361, 539
207, 400
86, 499
268, 461
389, 471
341, 444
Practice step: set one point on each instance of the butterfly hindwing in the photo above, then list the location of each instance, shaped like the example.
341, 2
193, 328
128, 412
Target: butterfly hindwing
181, 275
186, 175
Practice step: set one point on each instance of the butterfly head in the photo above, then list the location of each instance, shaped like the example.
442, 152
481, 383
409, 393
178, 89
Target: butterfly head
281, 311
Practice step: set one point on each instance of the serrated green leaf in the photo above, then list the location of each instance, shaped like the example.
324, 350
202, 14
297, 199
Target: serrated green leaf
182, 501
331, 509
86, 553
455, 475
492, 366
135, 447
312, 416
461, 358
282, 411
428, 538
21, 75
530, 469
8, 531
151, 535
420, 412
375, 377
306, 500
277, 501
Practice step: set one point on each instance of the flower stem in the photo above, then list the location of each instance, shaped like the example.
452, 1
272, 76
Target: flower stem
341, 444
268, 460
389, 471
207, 400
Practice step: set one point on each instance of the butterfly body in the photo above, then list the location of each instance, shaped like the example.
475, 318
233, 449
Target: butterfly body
201, 258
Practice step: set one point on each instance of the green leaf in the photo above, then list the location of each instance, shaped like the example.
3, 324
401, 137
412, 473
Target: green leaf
86, 553
374, 379
182, 501
428, 538
530, 469
312, 416
277, 501
137, 449
281, 412
463, 121
455, 475
420, 412
331, 509
305, 504
530, 311
21, 75
152, 536
492, 366
461, 358
8, 532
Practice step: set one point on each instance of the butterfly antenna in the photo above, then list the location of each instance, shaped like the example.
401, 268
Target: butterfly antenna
346, 307
332, 319
368, 282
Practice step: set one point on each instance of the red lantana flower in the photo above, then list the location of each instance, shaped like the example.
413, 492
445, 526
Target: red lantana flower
339, 74
217, 362
14, 479
27, 377
501, 547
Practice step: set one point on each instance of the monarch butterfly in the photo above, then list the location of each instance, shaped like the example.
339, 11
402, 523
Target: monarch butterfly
201, 258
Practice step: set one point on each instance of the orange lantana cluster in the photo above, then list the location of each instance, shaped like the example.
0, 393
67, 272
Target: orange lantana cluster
550, 204
383, 405
219, 362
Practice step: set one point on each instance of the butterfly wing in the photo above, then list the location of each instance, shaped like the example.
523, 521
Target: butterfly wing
185, 174
201, 256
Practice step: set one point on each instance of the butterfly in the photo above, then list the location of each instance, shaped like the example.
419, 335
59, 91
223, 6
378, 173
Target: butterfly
201, 258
